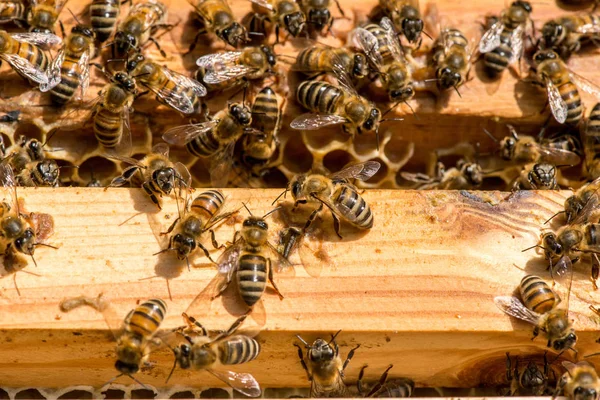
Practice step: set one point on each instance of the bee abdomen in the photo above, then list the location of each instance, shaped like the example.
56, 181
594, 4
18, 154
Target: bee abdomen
104, 14
318, 96
359, 213
147, 317
265, 111
252, 277
107, 127
569, 93
536, 294
592, 232
593, 124
239, 349
498, 59
33, 54
69, 82
10, 10
399, 388
208, 203
204, 145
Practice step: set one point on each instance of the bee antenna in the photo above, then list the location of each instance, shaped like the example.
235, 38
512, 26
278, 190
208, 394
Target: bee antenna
76, 20
552, 217
390, 109
112, 380
591, 355
33, 259
164, 251
334, 336
247, 209
68, 166
256, 34
50, 135
187, 260
427, 34
377, 136
172, 370
105, 46
138, 382
307, 345
271, 212
392, 119
411, 109
490, 135
533, 247
46, 245
282, 194
457, 92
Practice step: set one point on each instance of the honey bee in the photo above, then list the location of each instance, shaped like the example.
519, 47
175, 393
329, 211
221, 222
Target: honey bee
540, 307
502, 43
24, 151
159, 176
216, 17
13, 11
466, 175
317, 13
566, 34
215, 139
582, 204
21, 52
580, 382
220, 71
590, 133
39, 173
562, 87
199, 216
143, 20
281, 13
452, 59
71, 66
104, 15
396, 388
337, 193
42, 15
204, 353
532, 381
316, 60
380, 44
324, 367
171, 88
406, 17
536, 176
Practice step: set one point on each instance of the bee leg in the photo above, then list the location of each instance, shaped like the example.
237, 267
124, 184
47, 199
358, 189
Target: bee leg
348, 358
62, 29
302, 362
162, 52
140, 94
171, 227
206, 253
193, 321
559, 386
359, 384
194, 42
312, 216
508, 368
595, 270
213, 239
270, 268
124, 178
336, 225
536, 332
379, 384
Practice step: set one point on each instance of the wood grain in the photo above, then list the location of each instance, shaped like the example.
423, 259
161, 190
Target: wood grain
415, 291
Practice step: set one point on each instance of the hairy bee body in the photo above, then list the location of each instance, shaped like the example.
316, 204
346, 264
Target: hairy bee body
42, 16
135, 30
566, 34
591, 143
538, 176
11, 10
104, 15
284, 13
228, 129
109, 115
317, 13
347, 197
39, 173
406, 17
537, 295
497, 60
216, 17
580, 382
238, 349
27, 51
317, 59
451, 58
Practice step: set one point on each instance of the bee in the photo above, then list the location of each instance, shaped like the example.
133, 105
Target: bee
13, 11
590, 133
199, 216
566, 34
220, 71
317, 13
139, 25
281, 13
540, 307
380, 44
466, 175
532, 381
71, 66
215, 139
104, 15
171, 88
337, 193
21, 52
396, 388
580, 382
336, 104
316, 60
24, 151
159, 176
451, 58
39, 173
406, 17
324, 367
216, 17
42, 15
502, 43
538, 176
204, 353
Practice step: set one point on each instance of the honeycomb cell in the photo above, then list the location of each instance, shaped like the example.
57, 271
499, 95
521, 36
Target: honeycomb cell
215, 393
143, 394
200, 174
77, 394
337, 159
398, 150
183, 395
323, 138
113, 394
296, 157
274, 178
29, 129
99, 167
381, 174
33, 394
4, 395
75, 143
365, 144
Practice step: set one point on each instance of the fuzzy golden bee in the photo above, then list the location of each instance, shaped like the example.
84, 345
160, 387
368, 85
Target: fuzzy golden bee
406, 17
104, 15
530, 381
281, 13
466, 175
566, 34
384, 388
580, 382
451, 59
137, 28
216, 17
536, 176
315, 60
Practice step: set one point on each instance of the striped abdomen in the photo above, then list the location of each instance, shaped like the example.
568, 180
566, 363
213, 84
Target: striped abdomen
265, 111
536, 294
592, 234
591, 141
384, 49
70, 77
314, 59
319, 97
108, 127
569, 93
498, 59
396, 388
104, 15
145, 319
204, 145
238, 349
251, 277
11, 10
31, 53
208, 203
359, 215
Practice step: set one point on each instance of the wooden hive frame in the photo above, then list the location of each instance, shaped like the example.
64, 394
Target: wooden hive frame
415, 291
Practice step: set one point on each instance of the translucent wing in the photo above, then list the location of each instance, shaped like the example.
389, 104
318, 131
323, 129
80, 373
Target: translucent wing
263, 3
309, 122
591, 205
224, 59
228, 260
557, 104
38, 39
417, 177
516, 43
557, 156
84, 68
222, 67
8, 187
491, 39
513, 307
162, 149
225, 74
185, 81
221, 165
367, 42
184, 173
279, 263
588, 28
53, 71
563, 270
182, 135
173, 96
125, 144
125, 159
585, 84
392, 39
242, 382
361, 171
25, 68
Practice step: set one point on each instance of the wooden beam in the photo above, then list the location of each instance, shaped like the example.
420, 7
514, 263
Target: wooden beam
415, 291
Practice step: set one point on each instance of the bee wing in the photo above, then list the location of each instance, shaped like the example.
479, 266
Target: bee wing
563, 271
392, 39
84, 68
229, 73
309, 121
26, 68
186, 81
125, 159
314, 251
513, 307
182, 135
38, 39
557, 156
279, 263
591, 205
367, 42
417, 177
557, 104
585, 84
161, 148
184, 173
174, 98
264, 4
516, 43
228, 260
210, 60
491, 38
239, 381
588, 28
221, 166
8, 185
53, 71
360, 171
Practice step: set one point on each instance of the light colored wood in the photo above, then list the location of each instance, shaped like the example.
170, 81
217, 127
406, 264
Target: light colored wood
415, 291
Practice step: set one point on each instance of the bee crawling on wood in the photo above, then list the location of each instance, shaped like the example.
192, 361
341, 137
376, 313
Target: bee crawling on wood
466, 175
394, 388
530, 381
580, 382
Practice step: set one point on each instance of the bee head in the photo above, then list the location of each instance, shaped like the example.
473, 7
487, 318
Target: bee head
321, 351
294, 22
551, 244
360, 67
295, 185
35, 149
566, 342
412, 28
124, 41
255, 230
525, 5
240, 113
584, 393
269, 54
448, 78
402, 94
319, 17
26, 242
182, 355
124, 81
552, 32
84, 30
473, 173
165, 179
134, 61
507, 148
49, 171
234, 34
372, 121
543, 174
184, 245
543, 55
